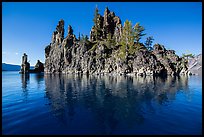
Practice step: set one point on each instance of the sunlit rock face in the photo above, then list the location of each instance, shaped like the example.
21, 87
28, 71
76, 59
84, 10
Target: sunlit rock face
25, 66
73, 56
195, 65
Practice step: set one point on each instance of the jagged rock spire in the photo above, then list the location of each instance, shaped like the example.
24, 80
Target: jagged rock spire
60, 28
106, 12
58, 35
109, 24
25, 66
70, 30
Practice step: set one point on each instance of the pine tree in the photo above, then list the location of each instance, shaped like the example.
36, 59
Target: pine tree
95, 20
97, 30
127, 39
188, 55
86, 38
79, 36
127, 34
148, 43
138, 32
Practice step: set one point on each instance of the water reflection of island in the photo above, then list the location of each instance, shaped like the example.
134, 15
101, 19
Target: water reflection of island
111, 100
39, 77
25, 80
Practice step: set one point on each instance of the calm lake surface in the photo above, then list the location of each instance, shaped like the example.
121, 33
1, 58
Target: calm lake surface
70, 104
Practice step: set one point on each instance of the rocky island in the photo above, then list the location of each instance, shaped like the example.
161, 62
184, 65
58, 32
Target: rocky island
25, 66
111, 49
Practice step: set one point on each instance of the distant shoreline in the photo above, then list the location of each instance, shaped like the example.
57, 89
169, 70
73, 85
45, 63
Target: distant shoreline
10, 70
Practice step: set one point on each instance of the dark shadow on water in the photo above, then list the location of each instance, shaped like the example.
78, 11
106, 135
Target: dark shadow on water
111, 100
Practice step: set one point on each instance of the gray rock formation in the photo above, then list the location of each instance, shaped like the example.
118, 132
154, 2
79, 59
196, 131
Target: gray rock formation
25, 66
108, 24
58, 35
195, 65
39, 67
171, 62
97, 57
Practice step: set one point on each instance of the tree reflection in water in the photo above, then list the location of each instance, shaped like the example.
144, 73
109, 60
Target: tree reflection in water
110, 99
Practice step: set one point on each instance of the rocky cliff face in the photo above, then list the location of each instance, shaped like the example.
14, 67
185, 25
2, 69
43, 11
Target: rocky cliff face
195, 65
70, 55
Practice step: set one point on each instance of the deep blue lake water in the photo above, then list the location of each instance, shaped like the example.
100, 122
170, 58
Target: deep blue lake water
70, 104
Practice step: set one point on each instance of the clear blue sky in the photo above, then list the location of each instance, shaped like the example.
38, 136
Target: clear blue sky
28, 27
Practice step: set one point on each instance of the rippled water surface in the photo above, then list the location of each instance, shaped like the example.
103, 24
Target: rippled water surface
70, 104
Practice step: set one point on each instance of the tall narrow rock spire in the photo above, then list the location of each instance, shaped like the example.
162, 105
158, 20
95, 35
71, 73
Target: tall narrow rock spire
58, 35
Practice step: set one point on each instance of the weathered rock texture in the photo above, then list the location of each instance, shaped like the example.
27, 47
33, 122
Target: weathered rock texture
195, 65
108, 24
39, 67
25, 66
69, 55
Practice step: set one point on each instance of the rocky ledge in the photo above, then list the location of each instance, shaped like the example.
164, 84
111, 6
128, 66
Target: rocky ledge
106, 53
